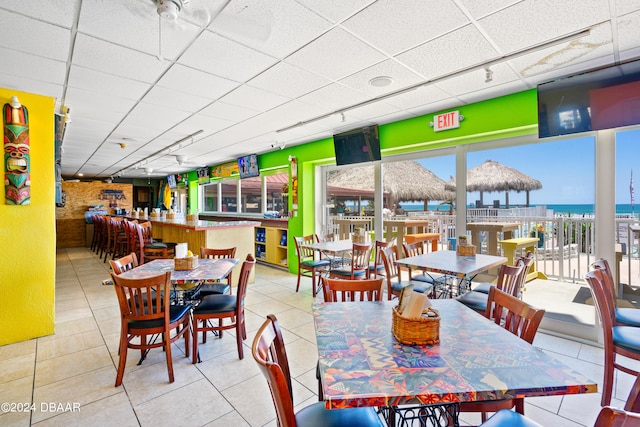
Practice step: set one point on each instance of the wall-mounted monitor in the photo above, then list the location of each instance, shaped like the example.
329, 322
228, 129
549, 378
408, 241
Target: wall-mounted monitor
600, 99
357, 146
248, 166
203, 175
171, 181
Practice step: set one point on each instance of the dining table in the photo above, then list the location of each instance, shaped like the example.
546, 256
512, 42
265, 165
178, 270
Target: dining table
493, 230
333, 250
362, 364
452, 265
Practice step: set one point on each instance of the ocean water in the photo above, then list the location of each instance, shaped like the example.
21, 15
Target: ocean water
568, 209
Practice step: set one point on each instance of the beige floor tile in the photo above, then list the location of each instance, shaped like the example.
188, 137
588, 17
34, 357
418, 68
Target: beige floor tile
63, 367
66, 344
24, 348
227, 370
194, 404
252, 400
73, 314
294, 318
231, 419
266, 307
17, 368
16, 391
15, 419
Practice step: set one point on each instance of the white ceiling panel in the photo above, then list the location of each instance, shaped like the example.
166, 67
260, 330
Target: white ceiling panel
276, 28
254, 99
401, 77
176, 99
32, 67
58, 12
335, 55
626, 6
196, 82
198, 122
372, 111
288, 80
84, 78
333, 97
225, 58
84, 100
468, 83
113, 59
29, 85
628, 31
479, 9
421, 96
503, 89
222, 110
335, 10
397, 25
42, 39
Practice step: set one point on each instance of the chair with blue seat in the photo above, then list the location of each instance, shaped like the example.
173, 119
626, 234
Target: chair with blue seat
415, 249
376, 267
607, 417
528, 260
358, 268
269, 352
393, 275
624, 316
509, 278
618, 340
308, 264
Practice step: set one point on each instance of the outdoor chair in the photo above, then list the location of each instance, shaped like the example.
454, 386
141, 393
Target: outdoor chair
624, 316
618, 340
308, 264
509, 278
528, 260
359, 266
393, 275
376, 268
269, 352
520, 319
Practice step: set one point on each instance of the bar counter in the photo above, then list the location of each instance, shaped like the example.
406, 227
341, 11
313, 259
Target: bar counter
208, 234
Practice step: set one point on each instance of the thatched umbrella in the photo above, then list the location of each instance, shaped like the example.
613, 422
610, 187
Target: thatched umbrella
493, 176
404, 181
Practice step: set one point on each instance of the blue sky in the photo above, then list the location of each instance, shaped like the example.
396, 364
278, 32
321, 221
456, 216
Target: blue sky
565, 169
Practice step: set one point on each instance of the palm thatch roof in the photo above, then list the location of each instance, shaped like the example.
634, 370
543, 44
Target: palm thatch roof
493, 176
404, 181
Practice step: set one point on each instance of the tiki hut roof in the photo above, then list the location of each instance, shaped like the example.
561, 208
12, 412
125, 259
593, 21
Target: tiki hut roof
493, 176
404, 181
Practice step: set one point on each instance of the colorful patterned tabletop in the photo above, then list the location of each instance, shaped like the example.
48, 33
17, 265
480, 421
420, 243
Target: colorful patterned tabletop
207, 271
447, 262
362, 364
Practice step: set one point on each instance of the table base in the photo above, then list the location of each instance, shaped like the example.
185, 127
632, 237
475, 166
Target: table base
438, 415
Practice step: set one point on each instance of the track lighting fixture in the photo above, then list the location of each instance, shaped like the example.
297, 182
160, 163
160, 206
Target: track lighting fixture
488, 75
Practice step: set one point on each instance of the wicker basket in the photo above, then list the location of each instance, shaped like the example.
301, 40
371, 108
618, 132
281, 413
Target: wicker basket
191, 217
171, 216
422, 331
466, 250
188, 263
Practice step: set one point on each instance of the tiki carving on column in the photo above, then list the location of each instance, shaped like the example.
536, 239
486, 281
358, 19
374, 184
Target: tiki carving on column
17, 167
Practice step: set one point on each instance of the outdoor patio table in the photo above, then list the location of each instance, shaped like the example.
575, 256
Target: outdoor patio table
405, 226
347, 225
493, 229
362, 364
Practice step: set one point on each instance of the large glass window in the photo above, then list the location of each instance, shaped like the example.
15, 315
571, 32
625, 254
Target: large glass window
277, 192
251, 191
209, 197
230, 195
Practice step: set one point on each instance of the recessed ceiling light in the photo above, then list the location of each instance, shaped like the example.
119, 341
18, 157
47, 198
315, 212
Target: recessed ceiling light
381, 81
80, 174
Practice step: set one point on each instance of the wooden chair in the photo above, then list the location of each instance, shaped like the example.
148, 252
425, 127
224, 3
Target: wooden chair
508, 281
607, 417
269, 352
359, 266
520, 319
223, 307
618, 340
217, 288
143, 315
624, 316
308, 264
393, 275
115, 236
527, 262
415, 249
147, 248
343, 290
126, 263
376, 268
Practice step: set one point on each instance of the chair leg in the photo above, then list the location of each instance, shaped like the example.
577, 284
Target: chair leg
239, 335
607, 386
194, 349
122, 361
298, 285
167, 346
313, 283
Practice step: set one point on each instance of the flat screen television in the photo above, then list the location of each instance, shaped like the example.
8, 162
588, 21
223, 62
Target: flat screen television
600, 99
357, 146
248, 166
171, 181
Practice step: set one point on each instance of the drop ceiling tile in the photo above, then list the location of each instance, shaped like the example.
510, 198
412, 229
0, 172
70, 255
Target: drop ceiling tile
31, 66
401, 76
529, 23
85, 78
288, 80
335, 10
373, 111
253, 98
275, 28
450, 53
225, 58
396, 26
196, 82
95, 129
34, 37
58, 12
137, 28
475, 80
28, 85
175, 99
333, 97
628, 32
500, 89
479, 9
283, 115
80, 100
201, 122
335, 55
230, 112
420, 96
107, 57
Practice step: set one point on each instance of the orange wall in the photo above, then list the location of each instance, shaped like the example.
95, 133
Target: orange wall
27, 234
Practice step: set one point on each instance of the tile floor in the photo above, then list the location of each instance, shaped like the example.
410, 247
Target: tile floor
77, 365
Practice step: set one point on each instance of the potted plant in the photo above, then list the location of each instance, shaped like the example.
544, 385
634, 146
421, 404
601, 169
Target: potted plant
538, 231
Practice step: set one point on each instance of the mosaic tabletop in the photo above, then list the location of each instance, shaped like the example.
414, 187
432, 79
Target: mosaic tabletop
207, 271
362, 364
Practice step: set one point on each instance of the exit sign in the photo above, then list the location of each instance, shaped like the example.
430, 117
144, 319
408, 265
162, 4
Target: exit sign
445, 121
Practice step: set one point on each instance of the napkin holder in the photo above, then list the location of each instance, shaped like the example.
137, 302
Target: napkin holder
187, 263
423, 330
466, 250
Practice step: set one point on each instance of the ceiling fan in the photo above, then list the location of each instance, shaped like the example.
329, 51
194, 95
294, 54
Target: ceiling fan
182, 161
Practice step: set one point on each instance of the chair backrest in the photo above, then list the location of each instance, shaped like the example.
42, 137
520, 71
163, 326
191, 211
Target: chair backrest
509, 278
138, 297
305, 253
126, 263
603, 265
360, 257
602, 299
412, 249
269, 351
330, 237
343, 290
217, 253
512, 314
389, 260
243, 281
377, 251
612, 417
147, 232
